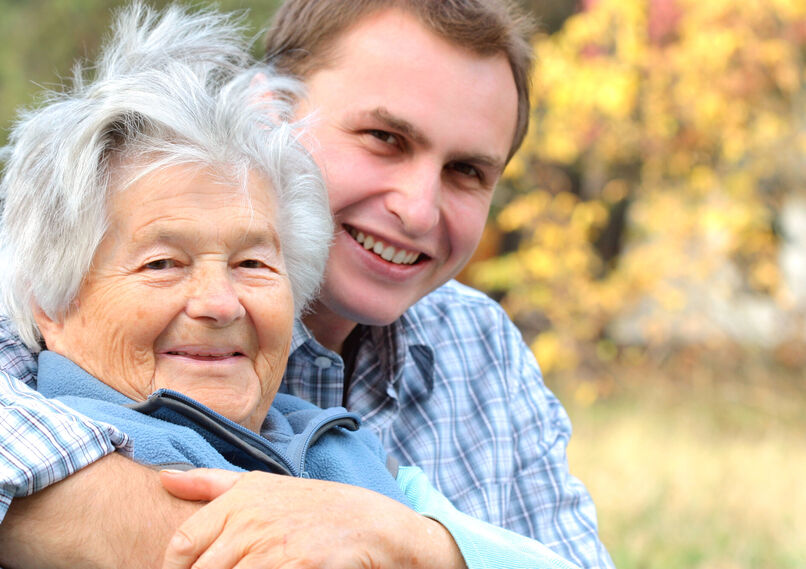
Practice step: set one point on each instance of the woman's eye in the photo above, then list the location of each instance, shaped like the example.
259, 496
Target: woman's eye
251, 264
160, 264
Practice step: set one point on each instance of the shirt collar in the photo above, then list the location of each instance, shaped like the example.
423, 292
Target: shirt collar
414, 344
398, 345
300, 335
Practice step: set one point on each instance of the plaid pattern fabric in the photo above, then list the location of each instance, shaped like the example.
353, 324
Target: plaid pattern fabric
15, 359
452, 388
43, 441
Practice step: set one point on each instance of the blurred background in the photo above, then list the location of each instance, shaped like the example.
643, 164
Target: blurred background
649, 240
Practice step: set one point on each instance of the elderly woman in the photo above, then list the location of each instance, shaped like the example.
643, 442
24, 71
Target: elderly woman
161, 230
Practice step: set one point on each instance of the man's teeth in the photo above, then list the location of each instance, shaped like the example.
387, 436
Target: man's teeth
386, 252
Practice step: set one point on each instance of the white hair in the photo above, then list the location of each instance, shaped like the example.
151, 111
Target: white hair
168, 89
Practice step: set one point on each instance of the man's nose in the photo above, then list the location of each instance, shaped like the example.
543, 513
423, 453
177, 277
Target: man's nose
416, 199
214, 298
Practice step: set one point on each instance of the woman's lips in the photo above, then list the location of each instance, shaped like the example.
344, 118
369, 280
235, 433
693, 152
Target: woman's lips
204, 354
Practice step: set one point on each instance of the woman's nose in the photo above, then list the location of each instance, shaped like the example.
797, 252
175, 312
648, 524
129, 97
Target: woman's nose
214, 299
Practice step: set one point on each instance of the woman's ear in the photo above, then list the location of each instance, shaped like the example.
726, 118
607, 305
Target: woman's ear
49, 328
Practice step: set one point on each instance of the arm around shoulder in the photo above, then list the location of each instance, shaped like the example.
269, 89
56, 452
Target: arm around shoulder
85, 501
44, 441
111, 514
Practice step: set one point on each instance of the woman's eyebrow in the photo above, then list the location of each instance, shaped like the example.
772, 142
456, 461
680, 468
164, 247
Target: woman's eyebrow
249, 238
255, 238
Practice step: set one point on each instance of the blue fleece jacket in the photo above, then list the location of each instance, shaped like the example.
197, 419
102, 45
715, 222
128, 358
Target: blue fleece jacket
172, 430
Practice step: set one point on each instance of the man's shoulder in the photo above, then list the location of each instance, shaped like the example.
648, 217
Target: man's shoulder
457, 311
459, 322
455, 298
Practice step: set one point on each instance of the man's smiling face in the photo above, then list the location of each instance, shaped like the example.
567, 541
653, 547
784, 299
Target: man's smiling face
412, 133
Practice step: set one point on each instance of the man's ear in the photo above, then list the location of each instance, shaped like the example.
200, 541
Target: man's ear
261, 81
260, 85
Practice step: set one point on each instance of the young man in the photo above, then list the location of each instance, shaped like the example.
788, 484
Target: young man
417, 106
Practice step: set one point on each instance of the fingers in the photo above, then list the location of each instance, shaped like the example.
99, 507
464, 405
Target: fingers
222, 553
216, 536
222, 536
196, 539
269, 521
203, 484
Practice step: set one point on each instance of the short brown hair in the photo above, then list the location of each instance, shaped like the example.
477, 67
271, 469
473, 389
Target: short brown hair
303, 33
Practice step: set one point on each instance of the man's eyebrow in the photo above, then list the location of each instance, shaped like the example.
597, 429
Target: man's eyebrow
493, 163
399, 124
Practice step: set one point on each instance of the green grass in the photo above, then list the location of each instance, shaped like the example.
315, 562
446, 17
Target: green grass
707, 471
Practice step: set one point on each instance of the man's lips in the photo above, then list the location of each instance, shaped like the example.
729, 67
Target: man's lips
390, 253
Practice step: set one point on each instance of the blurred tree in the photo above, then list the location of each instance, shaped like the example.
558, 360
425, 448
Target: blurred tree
666, 136
550, 15
42, 39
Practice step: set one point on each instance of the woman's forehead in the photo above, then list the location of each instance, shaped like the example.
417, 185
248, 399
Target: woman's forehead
191, 193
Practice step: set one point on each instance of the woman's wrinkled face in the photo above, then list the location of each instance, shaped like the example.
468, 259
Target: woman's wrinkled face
187, 291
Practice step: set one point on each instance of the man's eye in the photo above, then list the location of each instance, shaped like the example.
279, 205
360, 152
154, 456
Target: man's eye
160, 264
466, 169
383, 136
251, 264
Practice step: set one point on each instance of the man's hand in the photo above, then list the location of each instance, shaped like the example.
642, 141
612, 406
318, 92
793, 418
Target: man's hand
269, 521
114, 513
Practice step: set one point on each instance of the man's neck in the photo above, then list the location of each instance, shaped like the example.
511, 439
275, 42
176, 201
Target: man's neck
329, 329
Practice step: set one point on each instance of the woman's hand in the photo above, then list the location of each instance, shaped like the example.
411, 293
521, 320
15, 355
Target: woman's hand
264, 520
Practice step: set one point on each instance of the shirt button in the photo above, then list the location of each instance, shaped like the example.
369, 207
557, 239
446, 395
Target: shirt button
322, 362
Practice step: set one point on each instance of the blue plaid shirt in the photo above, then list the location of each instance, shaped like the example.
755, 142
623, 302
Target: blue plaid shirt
449, 387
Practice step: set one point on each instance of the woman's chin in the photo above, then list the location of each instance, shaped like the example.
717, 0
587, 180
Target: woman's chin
239, 406
228, 386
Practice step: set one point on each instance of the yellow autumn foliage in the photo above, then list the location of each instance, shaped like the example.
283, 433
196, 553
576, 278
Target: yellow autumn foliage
654, 160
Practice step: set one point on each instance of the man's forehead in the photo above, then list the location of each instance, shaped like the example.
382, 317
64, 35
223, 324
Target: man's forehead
374, 27
393, 69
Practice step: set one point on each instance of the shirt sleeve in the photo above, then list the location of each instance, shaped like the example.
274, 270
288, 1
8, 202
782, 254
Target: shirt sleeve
546, 502
482, 545
15, 358
44, 441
